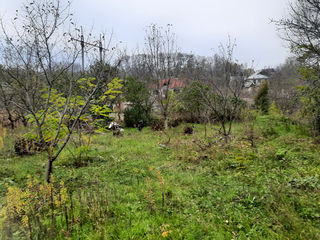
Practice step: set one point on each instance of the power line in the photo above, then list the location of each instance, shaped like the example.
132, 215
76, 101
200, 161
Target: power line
83, 43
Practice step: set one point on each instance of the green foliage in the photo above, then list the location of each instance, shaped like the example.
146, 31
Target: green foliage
62, 110
5, 172
136, 113
310, 96
281, 153
274, 110
137, 94
261, 100
227, 108
132, 188
49, 128
192, 107
312, 183
100, 108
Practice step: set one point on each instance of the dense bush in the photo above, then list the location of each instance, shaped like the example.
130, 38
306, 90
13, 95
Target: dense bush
134, 114
157, 125
176, 122
188, 130
24, 146
137, 94
261, 100
191, 107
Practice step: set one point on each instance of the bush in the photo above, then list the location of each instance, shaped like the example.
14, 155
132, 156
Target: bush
24, 146
192, 106
134, 114
261, 100
138, 95
188, 130
157, 125
175, 122
274, 110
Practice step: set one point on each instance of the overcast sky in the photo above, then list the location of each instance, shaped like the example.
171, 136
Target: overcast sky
200, 25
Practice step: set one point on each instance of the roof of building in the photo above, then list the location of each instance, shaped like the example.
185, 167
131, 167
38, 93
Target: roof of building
257, 76
174, 83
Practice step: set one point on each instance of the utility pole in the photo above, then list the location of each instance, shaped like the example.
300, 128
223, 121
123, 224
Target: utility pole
83, 43
100, 49
82, 49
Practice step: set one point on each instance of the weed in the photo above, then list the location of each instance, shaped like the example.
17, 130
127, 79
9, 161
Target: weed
196, 187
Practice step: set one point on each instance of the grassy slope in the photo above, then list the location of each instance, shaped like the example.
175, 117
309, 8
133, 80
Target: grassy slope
229, 191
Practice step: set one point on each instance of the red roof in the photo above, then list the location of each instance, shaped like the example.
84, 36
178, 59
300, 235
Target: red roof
174, 83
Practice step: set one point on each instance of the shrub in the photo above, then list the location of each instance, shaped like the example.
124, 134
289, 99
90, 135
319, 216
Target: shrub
175, 122
157, 125
192, 107
136, 113
261, 100
51, 211
24, 146
140, 105
274, 110
188, 130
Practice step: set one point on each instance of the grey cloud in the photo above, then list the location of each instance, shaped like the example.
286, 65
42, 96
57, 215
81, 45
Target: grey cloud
200, 24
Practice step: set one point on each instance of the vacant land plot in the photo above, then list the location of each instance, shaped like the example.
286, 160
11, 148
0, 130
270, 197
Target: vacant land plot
143, 186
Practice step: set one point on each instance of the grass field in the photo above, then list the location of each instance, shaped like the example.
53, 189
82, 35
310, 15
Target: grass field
195, 187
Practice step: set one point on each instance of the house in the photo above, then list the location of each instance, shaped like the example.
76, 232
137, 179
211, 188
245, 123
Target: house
175, 84
256, 79
171, 84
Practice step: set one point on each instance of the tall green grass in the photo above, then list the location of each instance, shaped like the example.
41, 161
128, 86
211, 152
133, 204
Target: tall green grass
139, 187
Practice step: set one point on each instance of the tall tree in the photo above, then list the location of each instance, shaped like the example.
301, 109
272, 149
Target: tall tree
138, 97
301, 30
161, 59
224, 96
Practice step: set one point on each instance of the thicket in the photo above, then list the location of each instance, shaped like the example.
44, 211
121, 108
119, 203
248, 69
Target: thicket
139, 107
261, 100
300, 29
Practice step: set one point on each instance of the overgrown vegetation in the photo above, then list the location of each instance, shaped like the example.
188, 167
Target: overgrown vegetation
261, 100
192, 188
137, 94
209, 166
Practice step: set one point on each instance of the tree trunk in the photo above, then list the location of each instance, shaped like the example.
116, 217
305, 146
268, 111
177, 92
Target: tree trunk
49, 170
230, 126
205, 129
225, 135
165, 122
11, 121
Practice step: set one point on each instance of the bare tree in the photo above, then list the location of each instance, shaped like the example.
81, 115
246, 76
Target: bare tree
301, 29
224, 97
283, 84
6, 97
161, 59
39, 59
